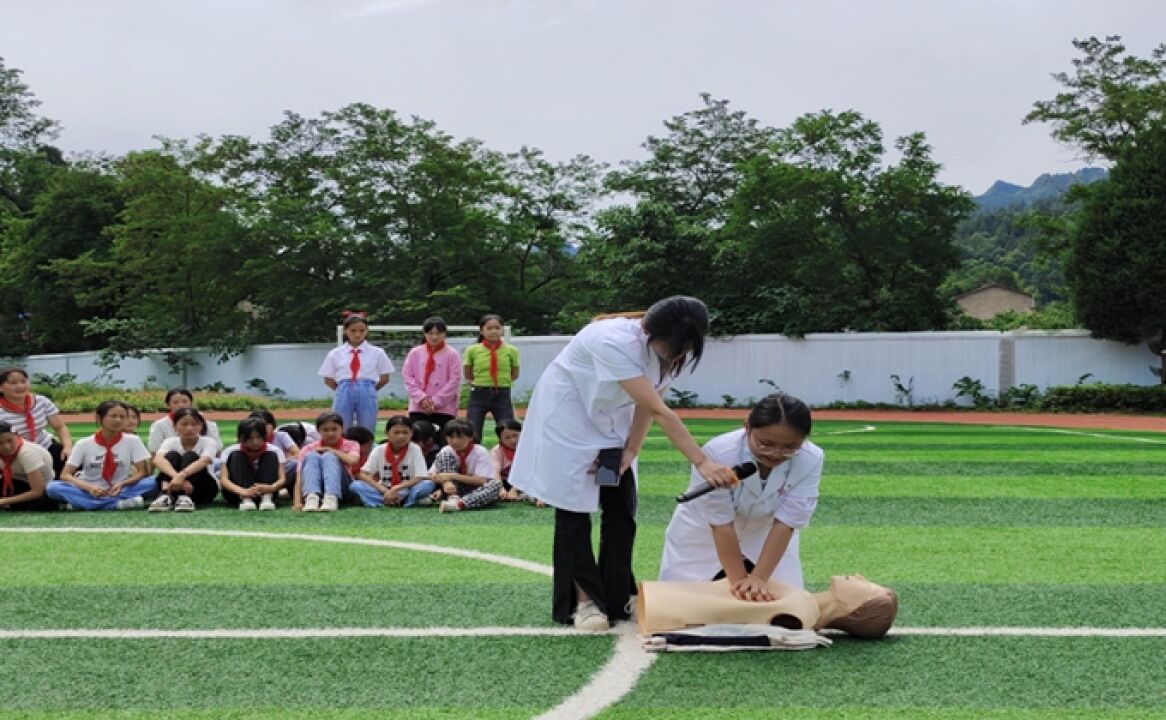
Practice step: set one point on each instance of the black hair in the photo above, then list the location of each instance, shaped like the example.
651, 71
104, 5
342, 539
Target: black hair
133, 410
189, 412
251, 426
360, 434
396, 420
6, 371
296, 432
354, 319
458, 428
680, 322
508, 424
424, 430
781, 409
485, 319
431, 322
5, 427
264, 415
177, 391
105, 406
329, 417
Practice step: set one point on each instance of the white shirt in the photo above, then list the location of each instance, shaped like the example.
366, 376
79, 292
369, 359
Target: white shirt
413, 465
42, 410
163, 428
789, 496
88, 457
579, 408
373, 363
204, 447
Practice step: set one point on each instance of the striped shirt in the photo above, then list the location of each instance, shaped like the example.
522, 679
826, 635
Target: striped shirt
42, 410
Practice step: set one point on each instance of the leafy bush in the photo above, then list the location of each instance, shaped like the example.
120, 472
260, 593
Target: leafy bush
974, 390
682, 398
1105, 398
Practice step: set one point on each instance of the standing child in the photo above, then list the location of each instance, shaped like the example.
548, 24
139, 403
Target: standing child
252, 468
30, 414
183, 465
26, 469
491, 366
163, 428
324, 467
395, 473
106, 471
356, 371
433, 376
463, 467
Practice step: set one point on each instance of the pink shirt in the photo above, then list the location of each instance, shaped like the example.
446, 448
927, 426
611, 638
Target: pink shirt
348, 447
443, 383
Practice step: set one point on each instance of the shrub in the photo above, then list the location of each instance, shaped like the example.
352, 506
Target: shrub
1105, 398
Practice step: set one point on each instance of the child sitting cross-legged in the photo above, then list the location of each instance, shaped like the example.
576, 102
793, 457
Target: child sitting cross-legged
461, 468
395, 473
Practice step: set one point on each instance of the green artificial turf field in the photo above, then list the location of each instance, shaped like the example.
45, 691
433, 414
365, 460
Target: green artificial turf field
974, 527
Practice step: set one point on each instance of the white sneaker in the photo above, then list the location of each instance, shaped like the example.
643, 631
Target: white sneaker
266, 503
183, 504
331, 503
450, 505
134, 503
312, 503
161, 504
589, 618
283, 494
246, 504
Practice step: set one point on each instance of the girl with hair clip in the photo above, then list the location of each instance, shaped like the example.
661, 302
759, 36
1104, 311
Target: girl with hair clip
183, 464
252, 468
26, 469
749, 532
107, 470
432, 376
163, 427
587, 420
395, 474
323, 475
356, 371
30, 415
491, 367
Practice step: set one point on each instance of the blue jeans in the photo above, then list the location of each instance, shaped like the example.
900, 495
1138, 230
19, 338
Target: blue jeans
323, 474
356, 402
78, 498
371, 496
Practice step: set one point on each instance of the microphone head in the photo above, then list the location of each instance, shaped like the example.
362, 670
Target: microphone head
744, 470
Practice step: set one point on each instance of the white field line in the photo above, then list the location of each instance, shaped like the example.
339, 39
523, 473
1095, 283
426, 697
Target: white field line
863, 429
283, 633
614, 680
1031, 632
1119, 438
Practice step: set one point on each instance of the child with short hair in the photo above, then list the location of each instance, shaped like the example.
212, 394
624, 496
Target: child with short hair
324, 465
425, 436
363, 437
281, 440
252, 468
395, 474
491, 367
26, 468
107, 470
162, 428
462, 467
508, 432
356, 371
183, 465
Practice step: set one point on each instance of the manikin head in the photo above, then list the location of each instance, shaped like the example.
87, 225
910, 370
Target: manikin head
859, 607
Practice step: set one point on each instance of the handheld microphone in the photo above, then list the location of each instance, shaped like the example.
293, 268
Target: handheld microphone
745, 469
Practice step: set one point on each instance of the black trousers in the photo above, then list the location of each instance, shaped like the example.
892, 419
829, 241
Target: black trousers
203, 486
610, 582
495, 401
44, 502
244, 474
55, 448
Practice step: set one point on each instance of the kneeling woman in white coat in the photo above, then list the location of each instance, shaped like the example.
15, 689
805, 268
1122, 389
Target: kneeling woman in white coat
749, 532
585, 425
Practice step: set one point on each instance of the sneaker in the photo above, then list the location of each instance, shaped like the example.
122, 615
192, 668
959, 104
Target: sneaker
425, 501
69, 506
246, 504
134, 503
266, 503
283, 494
161, 504
451, 505
589, 618
312, 503
331, 503
183, 504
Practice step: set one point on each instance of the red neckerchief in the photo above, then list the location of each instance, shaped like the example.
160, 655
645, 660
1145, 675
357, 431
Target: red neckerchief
431, 361
508, 453
493, 348
394, 459
270, 435
171, 415
462, 468
8, 489
109, 465
354, 366
253, 457
26, 411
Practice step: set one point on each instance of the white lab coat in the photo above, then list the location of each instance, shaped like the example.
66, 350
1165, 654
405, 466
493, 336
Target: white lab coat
579, 408
790, 496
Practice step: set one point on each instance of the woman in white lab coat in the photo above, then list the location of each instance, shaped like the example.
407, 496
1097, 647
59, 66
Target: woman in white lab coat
749, 532
586, 422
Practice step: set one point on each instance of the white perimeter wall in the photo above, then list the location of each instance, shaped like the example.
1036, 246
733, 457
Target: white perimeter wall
811, 368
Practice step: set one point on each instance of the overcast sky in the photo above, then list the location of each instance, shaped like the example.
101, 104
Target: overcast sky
567, 76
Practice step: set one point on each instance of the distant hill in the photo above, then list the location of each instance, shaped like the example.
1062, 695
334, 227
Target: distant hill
1048, 186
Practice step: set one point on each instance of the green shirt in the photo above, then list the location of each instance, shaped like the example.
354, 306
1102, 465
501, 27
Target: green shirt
478, 357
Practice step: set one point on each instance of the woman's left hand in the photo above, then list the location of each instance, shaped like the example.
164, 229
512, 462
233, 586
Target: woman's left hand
625, 463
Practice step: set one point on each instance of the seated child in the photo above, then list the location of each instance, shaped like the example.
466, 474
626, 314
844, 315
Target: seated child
395, 473
27, 469
183, 465
252, 468
461, 467
107, 470
324, 467
425, 437
289, 448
